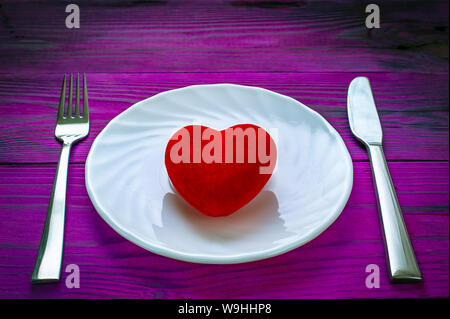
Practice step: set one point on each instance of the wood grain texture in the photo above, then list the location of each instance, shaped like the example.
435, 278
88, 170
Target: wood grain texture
113, 267
223, 36
308, 50
413, 108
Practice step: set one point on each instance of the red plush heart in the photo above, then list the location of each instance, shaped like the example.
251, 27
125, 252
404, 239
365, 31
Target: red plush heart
218, 172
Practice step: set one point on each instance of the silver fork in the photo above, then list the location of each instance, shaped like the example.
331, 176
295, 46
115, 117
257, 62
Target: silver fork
70, 128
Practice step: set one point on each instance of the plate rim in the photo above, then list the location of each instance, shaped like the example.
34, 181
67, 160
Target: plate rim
229, 259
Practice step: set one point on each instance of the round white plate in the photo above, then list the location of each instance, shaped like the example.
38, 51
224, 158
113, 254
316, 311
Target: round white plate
128, 184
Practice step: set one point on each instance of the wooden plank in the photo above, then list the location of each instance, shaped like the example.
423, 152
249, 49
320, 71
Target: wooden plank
113, 267
413, 108
223, 36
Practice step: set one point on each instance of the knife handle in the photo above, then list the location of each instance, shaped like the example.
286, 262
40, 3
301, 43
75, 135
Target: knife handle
402, 261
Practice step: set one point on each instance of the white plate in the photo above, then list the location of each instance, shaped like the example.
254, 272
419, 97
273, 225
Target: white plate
128, 184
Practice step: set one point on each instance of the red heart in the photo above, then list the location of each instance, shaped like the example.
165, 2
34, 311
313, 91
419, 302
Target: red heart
218, 172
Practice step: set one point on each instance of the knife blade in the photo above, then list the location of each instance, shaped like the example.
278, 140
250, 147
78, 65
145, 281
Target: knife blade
362, 112
366, 126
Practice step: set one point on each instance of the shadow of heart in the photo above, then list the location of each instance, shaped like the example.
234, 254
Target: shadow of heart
256, 226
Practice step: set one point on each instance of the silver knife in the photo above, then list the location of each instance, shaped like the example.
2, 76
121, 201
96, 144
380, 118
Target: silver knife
366, 127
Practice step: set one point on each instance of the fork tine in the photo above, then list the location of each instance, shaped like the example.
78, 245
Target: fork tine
69, 106
62, 99
85, 99
77, 101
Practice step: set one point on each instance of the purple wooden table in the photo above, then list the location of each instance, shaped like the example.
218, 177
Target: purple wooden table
309, 50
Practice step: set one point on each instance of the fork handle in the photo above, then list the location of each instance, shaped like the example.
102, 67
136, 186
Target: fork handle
49, 259
402, 261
